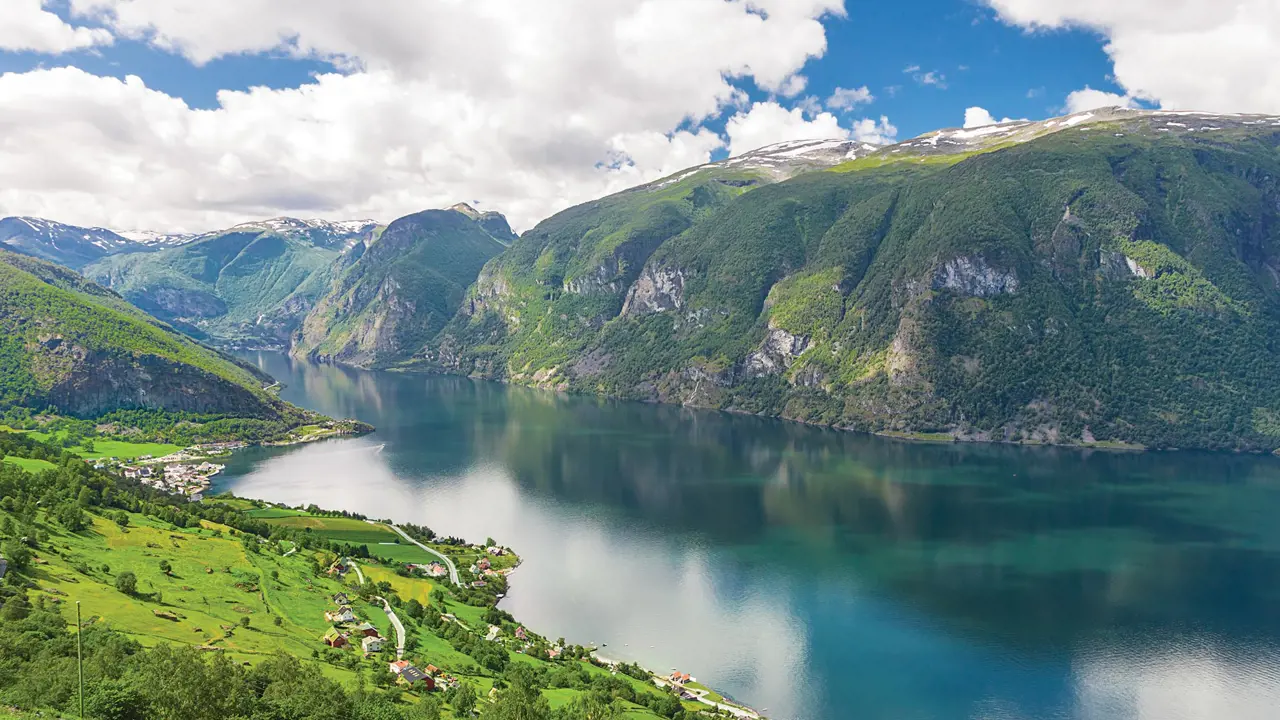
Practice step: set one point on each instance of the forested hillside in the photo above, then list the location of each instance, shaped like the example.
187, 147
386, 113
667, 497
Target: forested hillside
72, 348
391, 295
1100, 279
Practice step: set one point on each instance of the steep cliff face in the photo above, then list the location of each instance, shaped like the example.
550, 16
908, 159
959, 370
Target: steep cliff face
391, 296
1106, 277
77, 348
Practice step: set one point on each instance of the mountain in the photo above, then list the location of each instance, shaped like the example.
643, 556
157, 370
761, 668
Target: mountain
248, 285
392, 294
1107, 277
152, 238
80, 349
67, 245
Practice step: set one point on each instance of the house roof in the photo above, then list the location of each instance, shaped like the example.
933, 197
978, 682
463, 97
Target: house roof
399, 666
365, 626
412, 674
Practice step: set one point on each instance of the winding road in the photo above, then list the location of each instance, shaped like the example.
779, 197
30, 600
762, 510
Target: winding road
386, 607
453, 570
391, 615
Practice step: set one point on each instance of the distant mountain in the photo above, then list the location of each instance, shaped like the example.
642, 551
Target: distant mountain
392, 294
68, 245
152, 238
1111, 276
321, 233
252, 285
77, 348
249, 285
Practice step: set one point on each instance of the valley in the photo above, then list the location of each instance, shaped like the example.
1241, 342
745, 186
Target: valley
1064, 282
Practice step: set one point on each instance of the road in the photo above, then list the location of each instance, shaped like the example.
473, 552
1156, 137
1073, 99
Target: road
352, 564
391, 615
701, 696
453, 570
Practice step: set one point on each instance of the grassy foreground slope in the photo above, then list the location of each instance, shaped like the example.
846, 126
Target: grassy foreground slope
212, 610
1108, 280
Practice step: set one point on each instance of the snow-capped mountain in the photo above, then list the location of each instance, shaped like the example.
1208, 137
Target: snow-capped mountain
158, 239
68, 245
780, 161
325, 233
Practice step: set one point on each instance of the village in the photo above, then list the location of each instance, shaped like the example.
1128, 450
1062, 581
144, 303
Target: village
187, 472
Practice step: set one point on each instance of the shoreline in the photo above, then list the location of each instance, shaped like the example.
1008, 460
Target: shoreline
947, 438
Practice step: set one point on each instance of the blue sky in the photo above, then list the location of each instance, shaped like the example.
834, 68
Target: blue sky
190, 115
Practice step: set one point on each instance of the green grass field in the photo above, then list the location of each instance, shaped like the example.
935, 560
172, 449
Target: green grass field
339, 529
29, 465
265, 513
126, 450
103, 448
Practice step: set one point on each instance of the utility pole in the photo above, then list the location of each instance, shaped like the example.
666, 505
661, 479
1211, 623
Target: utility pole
80, 658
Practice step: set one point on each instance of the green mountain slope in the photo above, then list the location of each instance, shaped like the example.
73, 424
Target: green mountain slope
71, 346
1107, 277
249, 285
390, 296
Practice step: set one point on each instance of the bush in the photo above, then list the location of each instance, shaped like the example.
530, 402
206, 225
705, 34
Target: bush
127, 583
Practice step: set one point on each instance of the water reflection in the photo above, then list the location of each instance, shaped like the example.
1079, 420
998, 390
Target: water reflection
823, 574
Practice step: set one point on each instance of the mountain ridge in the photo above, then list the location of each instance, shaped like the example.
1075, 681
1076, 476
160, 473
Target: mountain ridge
885, 292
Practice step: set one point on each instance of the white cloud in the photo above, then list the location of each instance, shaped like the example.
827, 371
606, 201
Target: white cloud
1214, 55
933, 78
880, 132
526, 107
847, 98
793, 86
767, 123
979, 117
1090, 99
27, 26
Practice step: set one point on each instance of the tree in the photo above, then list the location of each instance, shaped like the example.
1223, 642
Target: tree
127, 583
464, 701
122, 519
165, 567
244, 621
428, 709
18, 554
277, 620
72, 518
15, 608
115, 700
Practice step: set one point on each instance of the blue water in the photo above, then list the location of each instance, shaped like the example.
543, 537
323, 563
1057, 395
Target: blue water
819, 574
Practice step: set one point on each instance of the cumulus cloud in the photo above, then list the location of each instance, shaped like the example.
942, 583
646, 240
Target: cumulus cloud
848, 98
1090, 99
767, 123
525, 107
978, 117
880, 132
1215, 55
27, 26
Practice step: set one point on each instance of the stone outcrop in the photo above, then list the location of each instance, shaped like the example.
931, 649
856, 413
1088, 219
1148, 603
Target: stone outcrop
973, 276
658, 289
776, 354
